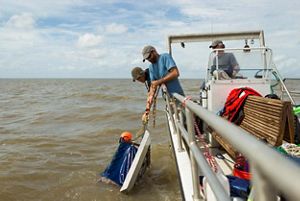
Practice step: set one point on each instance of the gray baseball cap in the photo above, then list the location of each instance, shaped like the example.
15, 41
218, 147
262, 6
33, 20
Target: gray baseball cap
146, 51
215, 43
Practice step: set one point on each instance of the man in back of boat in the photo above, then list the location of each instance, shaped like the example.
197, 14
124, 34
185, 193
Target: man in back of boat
142, 76
228, 67
162, 70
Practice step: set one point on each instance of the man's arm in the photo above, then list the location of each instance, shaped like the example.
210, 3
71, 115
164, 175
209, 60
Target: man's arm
235, 66
235, 71
173, 73
150, 97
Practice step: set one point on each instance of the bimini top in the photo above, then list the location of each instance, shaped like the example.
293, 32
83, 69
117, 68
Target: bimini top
202, 37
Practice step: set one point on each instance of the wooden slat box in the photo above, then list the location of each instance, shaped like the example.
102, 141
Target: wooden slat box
267, 119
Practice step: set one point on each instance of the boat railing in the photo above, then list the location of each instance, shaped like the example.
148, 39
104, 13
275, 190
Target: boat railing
272, 173
283, 87
259, 60
293, 93
251, 61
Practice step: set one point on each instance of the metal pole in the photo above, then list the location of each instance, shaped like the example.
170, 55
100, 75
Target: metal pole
194, 167
283, 85
264, 191
170, 110
180, 149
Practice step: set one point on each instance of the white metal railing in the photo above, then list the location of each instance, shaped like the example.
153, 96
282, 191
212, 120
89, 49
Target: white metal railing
272, 173
289, 93
282, 84
259, 57
268, 67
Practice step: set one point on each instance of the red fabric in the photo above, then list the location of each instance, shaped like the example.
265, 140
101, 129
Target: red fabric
235, 101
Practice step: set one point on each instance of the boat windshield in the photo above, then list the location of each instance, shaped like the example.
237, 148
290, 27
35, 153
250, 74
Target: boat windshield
249, 63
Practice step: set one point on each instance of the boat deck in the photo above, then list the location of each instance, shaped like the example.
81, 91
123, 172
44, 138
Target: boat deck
184, 164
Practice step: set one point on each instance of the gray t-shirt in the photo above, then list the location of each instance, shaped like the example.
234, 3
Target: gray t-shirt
226, 62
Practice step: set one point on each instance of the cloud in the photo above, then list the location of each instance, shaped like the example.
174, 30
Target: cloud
116, 28
45, 9
89, 40
22, 21
19, 32
192, 11
106, 37
287, 65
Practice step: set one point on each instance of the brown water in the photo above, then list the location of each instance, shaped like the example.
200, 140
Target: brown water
56, 136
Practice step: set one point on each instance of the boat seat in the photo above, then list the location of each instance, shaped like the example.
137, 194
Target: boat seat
267, 119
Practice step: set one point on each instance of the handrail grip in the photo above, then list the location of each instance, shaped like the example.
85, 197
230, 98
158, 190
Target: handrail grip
289, 179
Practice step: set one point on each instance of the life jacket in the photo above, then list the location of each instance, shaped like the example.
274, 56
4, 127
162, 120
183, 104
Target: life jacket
235, 102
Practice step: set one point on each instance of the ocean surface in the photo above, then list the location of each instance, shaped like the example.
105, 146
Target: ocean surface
57, 135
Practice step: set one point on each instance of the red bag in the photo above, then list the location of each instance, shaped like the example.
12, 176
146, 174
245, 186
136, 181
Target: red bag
235, 102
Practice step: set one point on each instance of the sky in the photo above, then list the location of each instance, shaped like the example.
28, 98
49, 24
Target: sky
104, 38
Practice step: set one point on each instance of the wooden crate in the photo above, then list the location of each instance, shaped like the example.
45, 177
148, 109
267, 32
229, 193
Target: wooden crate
267, 119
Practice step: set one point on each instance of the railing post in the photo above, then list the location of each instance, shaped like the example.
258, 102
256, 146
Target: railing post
194, 166
264, 191
282, 92
170, 110
179, 137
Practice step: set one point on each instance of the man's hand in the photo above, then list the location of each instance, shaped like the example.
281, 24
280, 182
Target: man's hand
145, 117
155, 83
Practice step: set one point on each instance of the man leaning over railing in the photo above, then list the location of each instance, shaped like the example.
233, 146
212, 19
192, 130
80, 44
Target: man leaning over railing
162, 70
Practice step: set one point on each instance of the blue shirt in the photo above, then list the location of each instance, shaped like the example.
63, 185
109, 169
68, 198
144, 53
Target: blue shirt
161, 68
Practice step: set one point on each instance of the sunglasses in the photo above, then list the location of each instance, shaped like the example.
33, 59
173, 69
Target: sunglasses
149, 55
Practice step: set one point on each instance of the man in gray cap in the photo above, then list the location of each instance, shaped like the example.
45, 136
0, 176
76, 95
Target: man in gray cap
142, 76
162, 70
228, 67
216, 43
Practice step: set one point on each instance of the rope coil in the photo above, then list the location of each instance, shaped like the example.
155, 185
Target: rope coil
209, 157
